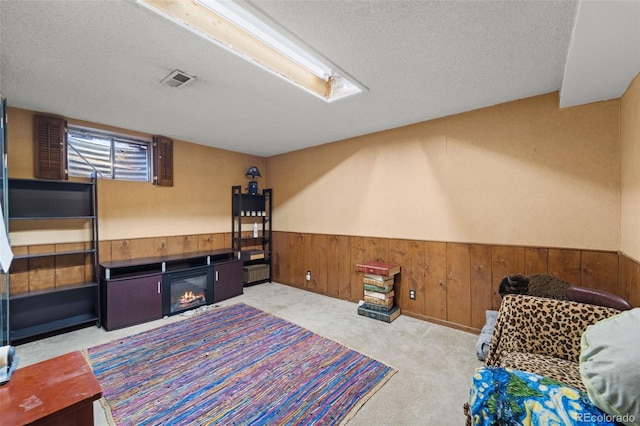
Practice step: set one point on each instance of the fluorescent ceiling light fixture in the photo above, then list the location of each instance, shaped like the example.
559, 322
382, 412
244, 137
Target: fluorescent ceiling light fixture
258, 29
228, 25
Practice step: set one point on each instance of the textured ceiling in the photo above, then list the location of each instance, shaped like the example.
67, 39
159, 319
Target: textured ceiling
102, 61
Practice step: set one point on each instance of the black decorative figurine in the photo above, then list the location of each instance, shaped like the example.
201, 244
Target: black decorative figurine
252, 173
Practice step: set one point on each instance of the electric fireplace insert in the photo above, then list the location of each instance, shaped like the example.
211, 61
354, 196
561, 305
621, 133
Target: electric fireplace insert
186, 289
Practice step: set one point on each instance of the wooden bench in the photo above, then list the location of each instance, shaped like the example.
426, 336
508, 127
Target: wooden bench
59, 391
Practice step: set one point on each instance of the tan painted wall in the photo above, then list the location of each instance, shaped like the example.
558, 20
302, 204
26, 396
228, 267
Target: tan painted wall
198, 203
630, 159
522, 173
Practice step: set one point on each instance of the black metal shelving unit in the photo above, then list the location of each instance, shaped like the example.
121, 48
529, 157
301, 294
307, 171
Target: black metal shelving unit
255, 251
47, 205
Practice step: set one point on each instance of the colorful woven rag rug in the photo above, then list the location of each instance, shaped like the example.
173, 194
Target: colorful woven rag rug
234, 365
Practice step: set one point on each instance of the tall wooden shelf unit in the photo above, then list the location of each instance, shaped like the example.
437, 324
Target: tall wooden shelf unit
247, 210
69, 295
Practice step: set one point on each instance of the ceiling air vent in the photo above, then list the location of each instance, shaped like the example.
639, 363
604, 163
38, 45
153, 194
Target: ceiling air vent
178, 79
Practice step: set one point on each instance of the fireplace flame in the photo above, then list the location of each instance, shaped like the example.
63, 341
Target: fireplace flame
188, 297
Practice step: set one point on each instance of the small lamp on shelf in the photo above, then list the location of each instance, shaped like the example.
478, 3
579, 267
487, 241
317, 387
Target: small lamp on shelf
252, 174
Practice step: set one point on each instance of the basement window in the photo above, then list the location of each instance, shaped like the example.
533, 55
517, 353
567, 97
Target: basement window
108, 155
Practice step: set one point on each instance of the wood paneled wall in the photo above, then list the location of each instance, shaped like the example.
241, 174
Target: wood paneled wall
455, 283
45, 273
136, 248
40, 274
629, 279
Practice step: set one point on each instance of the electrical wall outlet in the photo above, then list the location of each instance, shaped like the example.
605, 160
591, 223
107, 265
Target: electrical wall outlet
308, 275
412, 294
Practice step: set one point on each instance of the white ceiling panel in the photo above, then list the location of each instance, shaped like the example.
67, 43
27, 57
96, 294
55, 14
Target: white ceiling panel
103, 61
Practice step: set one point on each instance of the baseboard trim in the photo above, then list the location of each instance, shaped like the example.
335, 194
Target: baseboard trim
442, 322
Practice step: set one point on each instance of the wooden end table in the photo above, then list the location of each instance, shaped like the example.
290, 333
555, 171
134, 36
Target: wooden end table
59, 391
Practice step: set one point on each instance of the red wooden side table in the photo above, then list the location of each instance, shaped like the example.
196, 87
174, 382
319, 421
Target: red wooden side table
59, 391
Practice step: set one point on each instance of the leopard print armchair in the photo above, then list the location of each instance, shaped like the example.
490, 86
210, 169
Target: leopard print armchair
542, 336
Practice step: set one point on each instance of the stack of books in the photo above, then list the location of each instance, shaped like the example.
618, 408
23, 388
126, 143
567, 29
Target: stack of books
378, 283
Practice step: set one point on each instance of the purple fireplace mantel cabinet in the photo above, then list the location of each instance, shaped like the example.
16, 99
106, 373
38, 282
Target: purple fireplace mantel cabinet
140, 290
132, 300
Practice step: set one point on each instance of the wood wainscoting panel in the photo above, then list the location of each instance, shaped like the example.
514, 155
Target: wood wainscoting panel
19, 282
319, 265
181, 244
362, 250
410, 255
42, 274
343, 256
120, 250
600, 270
536, 261
212, 241
205, 242
309, 263
459, 283
356, 255
105, 251
629, 276
113, 250
333, 272
297, 268
46, 273
398, 252
142, 247
222, 240
505, 260
161, 246
376, 249
455, 283
565, 264
281, 256
482, 288
70, 270
338, 269
225, 238
435, 280
89, 267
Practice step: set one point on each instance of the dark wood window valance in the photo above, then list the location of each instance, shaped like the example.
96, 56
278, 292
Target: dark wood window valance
162, 161
50, 147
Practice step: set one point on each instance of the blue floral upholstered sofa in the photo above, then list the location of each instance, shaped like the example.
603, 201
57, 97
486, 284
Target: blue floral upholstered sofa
540, 358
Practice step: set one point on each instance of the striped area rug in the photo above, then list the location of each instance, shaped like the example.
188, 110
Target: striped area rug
235, 365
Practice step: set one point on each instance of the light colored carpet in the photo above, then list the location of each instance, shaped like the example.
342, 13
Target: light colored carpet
434, 363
